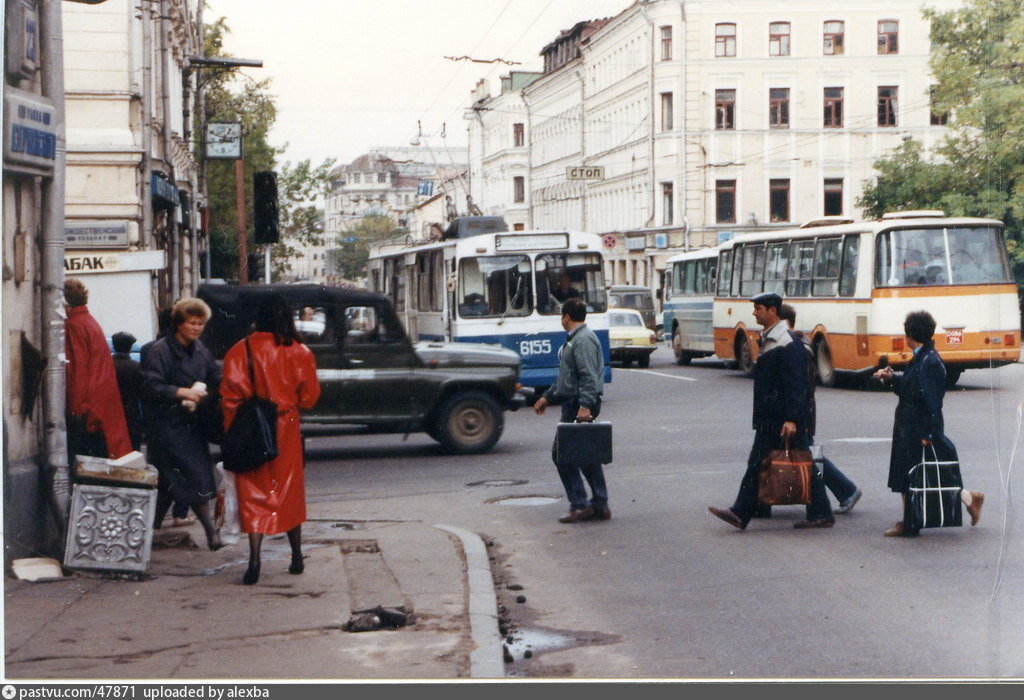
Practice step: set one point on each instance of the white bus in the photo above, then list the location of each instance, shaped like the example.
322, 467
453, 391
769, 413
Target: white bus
505, 288
686, 303
852, 285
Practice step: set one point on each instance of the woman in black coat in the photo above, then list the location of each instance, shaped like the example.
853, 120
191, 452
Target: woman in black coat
178, 418
919, 426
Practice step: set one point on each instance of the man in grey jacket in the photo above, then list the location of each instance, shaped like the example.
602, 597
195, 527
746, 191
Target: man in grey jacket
578, 391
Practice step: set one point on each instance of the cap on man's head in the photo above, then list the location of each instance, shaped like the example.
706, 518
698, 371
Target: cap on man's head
122, 341
768, 299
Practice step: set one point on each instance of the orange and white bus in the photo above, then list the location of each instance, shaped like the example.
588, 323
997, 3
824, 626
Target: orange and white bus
853, 283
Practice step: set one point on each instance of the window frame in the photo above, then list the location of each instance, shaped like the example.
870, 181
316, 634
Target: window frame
887, 107
778, 108
518, 189
832, 116
666, 42
888, 38
779, 42
725, 44
935, 118
518, 134
775, 185
725, 109
725, 188
837, 47
831, 187
667, 204
667, 111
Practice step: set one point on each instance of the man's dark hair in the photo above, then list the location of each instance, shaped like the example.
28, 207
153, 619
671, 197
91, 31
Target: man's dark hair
275, 316
920, 326
163, 321
575, 309
122, 342
788, 314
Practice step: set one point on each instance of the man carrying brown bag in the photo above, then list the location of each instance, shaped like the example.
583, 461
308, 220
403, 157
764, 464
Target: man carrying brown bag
780, 415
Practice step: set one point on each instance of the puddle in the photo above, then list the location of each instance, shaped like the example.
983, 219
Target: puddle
524, 500
499, 482
524, 640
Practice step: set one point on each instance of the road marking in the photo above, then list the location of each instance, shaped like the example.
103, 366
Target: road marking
661, 374
861, 439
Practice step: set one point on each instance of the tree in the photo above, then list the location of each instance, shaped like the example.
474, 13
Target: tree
978, 63
351, 257
301, 190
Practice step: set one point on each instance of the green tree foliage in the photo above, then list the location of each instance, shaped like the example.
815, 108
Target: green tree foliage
301, 189
978, 63
350, 259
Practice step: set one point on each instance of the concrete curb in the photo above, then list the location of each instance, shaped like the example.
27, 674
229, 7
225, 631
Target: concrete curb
485, 661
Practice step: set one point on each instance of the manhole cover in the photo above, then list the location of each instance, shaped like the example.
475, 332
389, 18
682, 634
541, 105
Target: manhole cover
524, 500
499, 482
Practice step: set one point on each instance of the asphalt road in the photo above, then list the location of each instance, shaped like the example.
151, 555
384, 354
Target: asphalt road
665, 590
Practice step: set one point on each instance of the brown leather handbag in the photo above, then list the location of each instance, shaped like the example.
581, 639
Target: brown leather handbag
785, 477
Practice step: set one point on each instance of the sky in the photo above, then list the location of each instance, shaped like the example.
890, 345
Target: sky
349, 75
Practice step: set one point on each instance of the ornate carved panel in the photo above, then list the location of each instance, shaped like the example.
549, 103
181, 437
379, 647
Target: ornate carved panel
110, 528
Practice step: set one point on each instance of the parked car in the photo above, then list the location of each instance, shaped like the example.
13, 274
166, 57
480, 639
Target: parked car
635, 297
371, 374
630, 338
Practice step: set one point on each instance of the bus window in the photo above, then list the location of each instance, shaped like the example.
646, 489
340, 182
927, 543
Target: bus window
737, 266
775, 268
848, 275
752, 271
496, 286
978, 256
564, 275
826, 267
798, 277
678, 279
725, 273
919, 257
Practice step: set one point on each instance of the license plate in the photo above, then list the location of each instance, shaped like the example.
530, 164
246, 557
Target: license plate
954, 336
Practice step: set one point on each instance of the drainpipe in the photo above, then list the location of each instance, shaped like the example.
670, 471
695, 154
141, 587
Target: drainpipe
654, 128
583, 141
173, 236
146, 18
55, 451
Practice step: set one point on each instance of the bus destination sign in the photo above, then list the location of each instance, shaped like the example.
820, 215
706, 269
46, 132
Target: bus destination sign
531, 241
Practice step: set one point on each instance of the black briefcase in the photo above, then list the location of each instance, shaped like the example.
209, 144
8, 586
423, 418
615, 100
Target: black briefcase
583, 443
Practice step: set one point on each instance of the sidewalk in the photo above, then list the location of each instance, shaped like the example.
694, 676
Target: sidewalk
191, 617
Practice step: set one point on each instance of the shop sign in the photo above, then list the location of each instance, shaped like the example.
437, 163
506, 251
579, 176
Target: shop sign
30, 133
96, 234
82, 263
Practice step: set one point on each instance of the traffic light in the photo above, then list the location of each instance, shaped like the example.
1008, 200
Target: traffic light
264, 195
256, 271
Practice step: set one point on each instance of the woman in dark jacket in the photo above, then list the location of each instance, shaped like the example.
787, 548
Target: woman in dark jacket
180, 375
919, 425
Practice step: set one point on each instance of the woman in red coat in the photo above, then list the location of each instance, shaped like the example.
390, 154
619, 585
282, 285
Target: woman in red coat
272, 498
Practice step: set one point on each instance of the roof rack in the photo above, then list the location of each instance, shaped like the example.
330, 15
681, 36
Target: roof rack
915, 214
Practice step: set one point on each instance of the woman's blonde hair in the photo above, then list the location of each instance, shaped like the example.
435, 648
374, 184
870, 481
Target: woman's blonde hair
189, 306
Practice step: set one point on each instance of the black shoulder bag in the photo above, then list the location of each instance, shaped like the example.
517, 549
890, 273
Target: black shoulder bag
251, 441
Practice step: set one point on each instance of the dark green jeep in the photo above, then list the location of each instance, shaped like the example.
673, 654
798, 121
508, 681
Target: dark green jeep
369, 372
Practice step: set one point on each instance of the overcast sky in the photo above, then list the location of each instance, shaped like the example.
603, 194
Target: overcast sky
351, 74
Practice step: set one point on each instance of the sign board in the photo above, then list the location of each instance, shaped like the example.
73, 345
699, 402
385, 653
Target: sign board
635, 243
349, 239
531, 241
584, 172
96, 234
30, 133
724, 236
610, 240
81, 263
661, 240
224, 140
21, 32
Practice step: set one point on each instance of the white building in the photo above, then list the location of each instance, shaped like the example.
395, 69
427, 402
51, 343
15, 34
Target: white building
131, 214
701, 119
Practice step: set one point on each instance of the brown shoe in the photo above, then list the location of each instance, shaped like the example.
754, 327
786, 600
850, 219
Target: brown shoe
808, 524
977, 500
728, 516
604, 513
898, 530
578, 516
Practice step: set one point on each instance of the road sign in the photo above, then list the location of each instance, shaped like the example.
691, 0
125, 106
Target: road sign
349, 239
584, 172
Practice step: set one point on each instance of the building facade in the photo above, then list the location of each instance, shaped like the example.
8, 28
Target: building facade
675, 125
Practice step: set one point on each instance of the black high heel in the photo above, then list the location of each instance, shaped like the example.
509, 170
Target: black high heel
252, 574
297, 567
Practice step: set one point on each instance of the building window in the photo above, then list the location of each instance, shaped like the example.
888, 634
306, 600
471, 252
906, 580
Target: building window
518, 227
725, 109
888, 36
887, 105
725, 40
666, 43
937, 118
518, 135
778, 108
382, 177
833, 108
666, 111
779, 200
725, 201
833, 37
778, 39
667, 213
519, 188
833, 196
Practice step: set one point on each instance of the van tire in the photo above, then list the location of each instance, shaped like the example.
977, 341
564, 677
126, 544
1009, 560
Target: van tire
469, 422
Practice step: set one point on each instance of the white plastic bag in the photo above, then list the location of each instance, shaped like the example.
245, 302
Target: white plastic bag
226, 512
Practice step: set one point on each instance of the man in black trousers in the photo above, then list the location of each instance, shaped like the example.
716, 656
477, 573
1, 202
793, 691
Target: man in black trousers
780, 414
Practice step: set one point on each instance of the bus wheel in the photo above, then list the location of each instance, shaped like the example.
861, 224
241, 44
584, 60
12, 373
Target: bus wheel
470, 422
682, 356
823, 360
953, 375
744, 361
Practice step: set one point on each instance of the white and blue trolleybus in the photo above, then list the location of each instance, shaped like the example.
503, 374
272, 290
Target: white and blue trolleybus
504, 288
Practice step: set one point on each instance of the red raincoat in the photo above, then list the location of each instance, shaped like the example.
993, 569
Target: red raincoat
92, 390
272, 498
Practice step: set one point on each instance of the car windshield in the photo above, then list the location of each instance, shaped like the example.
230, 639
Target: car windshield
633, 300
618, 318
934, 256
561, 276
495, 286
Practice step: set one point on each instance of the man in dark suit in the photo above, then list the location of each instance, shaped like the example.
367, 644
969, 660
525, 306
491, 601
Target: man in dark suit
780, 414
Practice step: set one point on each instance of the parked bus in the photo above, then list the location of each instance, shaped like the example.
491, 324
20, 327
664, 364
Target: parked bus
505, 288
687, 301
852, 285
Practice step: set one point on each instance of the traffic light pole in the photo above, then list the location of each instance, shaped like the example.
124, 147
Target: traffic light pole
243, 256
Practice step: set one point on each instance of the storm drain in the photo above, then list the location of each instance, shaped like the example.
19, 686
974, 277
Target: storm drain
524, 500
499, 482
